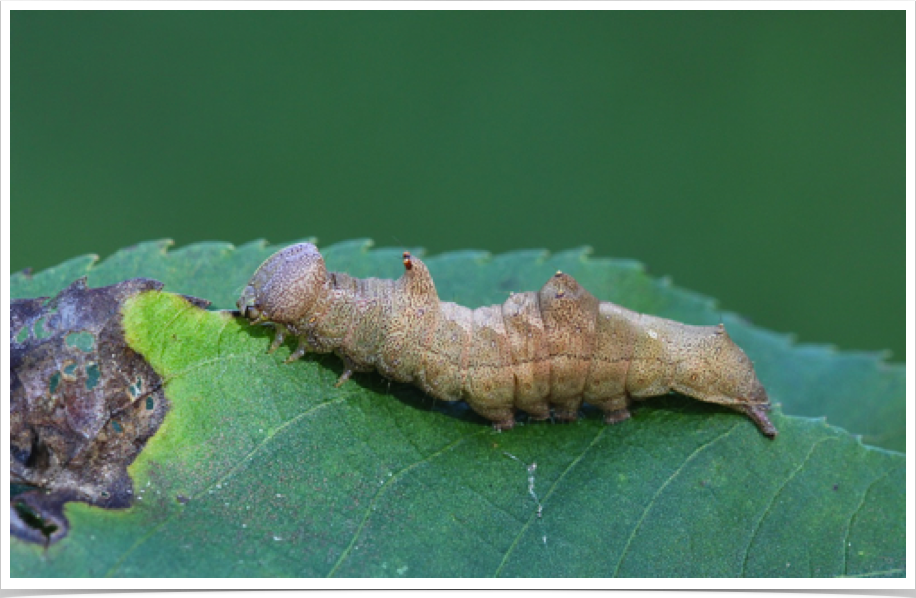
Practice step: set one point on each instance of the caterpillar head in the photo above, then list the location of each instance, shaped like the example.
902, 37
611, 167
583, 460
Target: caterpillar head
285, 287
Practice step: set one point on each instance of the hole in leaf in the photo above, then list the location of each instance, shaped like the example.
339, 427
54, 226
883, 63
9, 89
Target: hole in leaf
17, 489
92, 376
40, 332
23, 334
70, 370
136, 388
150, 403
83, 341
116, 426
34, 520
39, 454
55, 382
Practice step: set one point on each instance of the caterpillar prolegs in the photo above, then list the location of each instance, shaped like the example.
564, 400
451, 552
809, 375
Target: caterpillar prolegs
551, 349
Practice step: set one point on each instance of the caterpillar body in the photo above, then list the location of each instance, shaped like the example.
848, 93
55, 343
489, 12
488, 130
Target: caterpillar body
539, 351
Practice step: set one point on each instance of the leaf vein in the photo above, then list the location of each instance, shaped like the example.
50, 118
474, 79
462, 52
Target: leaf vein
175, 514
661, 489
165, 328
855, 514
769, 507
385, 486
553, 487
876, 573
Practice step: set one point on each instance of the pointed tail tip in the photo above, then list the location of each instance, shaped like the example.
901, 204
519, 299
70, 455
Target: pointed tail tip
758, 414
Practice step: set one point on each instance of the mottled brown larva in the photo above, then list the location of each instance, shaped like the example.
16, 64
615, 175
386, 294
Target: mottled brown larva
551, 349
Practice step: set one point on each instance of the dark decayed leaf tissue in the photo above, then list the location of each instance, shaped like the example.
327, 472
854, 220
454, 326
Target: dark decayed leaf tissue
82, 405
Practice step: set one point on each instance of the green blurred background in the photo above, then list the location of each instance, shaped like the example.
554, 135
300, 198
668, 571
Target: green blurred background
757, 157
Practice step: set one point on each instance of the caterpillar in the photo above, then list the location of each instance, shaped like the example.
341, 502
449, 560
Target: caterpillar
539, 351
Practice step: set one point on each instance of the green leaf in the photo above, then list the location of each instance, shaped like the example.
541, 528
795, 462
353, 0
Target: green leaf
857, 391
263, 468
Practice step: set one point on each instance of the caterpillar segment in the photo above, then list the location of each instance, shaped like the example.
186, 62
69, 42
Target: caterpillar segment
539, 352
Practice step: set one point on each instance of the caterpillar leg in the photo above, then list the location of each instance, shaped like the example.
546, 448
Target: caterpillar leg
538, 414
503, 418
349, 368
566, 408
616, 409
504, 425
299, 352
566, 415
279, 338
615, 417
343, 378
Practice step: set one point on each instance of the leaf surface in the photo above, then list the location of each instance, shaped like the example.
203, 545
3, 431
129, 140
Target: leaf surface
263, 468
